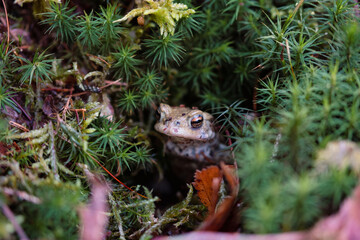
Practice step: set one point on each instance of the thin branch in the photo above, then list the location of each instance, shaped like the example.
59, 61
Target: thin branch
9, 214
23, 110
22, 195
115, 177
117, 82
19, 126
99, 58
8, 27
289, 57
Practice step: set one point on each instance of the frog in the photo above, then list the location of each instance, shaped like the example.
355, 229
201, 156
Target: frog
192, 140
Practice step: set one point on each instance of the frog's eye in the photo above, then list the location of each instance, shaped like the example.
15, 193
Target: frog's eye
158, 113
197, 121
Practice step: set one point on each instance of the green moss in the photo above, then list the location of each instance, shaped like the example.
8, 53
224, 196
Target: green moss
281, 79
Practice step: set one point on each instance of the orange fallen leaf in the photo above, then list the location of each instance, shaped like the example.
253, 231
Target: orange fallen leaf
343, 225
207, 183
216, 221
230, 175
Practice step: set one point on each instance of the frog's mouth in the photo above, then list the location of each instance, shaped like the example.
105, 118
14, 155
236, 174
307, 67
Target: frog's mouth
191, 141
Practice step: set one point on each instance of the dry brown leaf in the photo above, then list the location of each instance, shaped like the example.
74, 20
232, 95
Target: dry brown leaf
11, 114
230, 175
4, 148
48, 106
217, 220
345, 225
93, 216
207, 183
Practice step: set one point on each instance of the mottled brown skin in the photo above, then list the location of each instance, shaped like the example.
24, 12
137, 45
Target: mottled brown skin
176, 123
192, 141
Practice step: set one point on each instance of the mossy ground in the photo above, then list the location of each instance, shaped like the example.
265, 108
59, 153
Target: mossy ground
292, 66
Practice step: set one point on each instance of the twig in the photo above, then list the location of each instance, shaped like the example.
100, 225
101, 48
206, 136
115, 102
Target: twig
78, 94
102, 60
82, 110
289, 57
23, 110
66, 107
231, 148
18, 55
9, 214
21, 127
258, 67
22, 195
8, 27
117, 82
115, 177
60, 120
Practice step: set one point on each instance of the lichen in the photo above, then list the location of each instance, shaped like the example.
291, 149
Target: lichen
164, 13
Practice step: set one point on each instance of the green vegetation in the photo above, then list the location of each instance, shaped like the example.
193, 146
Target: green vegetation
293, 66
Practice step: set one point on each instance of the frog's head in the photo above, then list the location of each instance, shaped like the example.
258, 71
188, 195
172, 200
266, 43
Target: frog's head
186, 123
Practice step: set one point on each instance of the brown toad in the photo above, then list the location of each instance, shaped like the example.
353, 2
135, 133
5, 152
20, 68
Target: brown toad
191, 137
